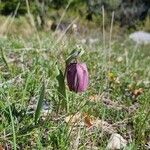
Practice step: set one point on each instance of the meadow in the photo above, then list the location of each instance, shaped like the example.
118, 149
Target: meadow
34, 112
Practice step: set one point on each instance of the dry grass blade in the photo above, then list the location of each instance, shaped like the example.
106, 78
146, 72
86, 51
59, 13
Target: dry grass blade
111, 104
63, 34
62, 16
4, 26
73, 119
13, 17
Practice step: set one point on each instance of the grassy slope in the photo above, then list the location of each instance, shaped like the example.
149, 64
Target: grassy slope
114, 73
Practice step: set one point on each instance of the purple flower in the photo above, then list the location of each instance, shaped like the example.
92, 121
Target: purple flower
77, 77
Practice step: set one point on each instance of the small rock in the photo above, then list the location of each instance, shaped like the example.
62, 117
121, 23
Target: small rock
140, 37
116, 141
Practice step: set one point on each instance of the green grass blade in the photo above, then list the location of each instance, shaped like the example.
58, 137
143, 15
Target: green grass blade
13, 128
40, 103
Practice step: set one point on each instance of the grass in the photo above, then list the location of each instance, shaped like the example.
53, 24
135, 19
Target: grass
119, 81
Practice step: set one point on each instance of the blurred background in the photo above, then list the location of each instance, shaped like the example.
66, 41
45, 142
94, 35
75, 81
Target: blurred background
21, 17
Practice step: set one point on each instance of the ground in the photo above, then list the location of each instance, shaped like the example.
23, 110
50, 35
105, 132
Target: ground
117, 100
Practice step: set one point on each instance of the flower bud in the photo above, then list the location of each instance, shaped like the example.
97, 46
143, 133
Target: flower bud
77, 77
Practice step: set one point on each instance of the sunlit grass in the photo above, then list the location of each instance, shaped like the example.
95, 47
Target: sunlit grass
116, 78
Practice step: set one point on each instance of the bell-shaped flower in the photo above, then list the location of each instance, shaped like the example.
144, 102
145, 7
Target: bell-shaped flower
77, 77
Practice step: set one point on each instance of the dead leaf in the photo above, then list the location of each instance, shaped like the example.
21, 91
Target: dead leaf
116, 141
138, 92
87, 120
1, 148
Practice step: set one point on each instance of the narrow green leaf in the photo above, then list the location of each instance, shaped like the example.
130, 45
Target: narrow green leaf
62, 90
40, 103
